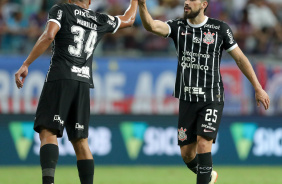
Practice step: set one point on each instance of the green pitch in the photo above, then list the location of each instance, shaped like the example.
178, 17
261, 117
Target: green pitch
144, 175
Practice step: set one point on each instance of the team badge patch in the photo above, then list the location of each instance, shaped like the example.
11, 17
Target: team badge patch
182, 134
208, 38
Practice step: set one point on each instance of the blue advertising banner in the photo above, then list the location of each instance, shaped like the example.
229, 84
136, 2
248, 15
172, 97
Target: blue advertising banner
138, 86
149, 140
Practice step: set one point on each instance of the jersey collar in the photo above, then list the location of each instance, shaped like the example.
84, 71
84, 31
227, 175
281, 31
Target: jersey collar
198, 25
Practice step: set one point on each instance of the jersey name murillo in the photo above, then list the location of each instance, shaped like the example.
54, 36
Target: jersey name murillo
199, 50
74, 45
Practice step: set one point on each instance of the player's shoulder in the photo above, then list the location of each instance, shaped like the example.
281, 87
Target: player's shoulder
104, 18
102, 15
215, 23
177, 21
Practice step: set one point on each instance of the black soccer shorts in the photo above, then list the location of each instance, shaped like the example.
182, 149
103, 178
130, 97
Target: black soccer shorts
198, 118
64, 103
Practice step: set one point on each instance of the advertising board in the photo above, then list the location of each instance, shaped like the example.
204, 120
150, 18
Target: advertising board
149, 140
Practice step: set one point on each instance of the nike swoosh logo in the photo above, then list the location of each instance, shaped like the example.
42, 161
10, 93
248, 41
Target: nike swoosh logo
205, 130
185, 33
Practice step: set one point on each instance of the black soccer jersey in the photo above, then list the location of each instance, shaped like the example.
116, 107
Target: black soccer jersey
73, 47
199, 50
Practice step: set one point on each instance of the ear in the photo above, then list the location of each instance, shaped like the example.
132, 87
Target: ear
89, 2
205, 4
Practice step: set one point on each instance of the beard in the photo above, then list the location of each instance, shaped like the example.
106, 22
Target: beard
192, 14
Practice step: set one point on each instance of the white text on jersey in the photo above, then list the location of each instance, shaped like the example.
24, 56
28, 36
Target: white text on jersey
87, 24
195, 90
84, 13
212, 26
81, 72
188, 63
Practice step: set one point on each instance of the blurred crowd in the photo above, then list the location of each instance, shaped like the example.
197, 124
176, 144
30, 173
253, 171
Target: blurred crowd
256, 24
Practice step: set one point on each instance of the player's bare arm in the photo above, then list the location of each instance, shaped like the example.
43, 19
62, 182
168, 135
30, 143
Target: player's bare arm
247, 69
128, 18
155, 26
40, 47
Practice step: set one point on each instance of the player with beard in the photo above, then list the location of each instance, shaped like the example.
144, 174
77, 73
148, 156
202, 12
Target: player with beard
199, 41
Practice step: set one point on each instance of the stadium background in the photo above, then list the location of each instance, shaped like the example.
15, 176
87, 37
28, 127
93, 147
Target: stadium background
133, 116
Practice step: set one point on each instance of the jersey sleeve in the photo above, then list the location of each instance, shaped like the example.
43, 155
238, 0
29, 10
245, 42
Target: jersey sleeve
172, 24
229, 42
56, 15
110, 24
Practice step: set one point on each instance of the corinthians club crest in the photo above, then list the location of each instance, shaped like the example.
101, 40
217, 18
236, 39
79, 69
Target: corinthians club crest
208, 38
182, 134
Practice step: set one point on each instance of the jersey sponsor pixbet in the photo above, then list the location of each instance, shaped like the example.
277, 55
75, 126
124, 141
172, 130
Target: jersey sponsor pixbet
74, 45
199, 50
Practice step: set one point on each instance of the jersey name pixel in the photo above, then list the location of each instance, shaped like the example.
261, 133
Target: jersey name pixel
85, 13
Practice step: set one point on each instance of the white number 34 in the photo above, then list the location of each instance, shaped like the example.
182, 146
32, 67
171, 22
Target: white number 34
79, 34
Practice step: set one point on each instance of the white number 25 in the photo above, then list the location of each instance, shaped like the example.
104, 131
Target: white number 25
211, 112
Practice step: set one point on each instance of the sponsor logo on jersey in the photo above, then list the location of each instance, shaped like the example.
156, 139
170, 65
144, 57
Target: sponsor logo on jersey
208, 127
194, 90
189, 58
229, 34
182, 136
180, 22
188, 63
58, 119
112, 23
79, 127
196, 40
84, 13
59, 14
188, 53
211, 26
81, 72
208, 38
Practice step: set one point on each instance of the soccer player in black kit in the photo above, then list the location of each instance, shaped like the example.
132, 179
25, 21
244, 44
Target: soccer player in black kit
199, 42
64, 102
